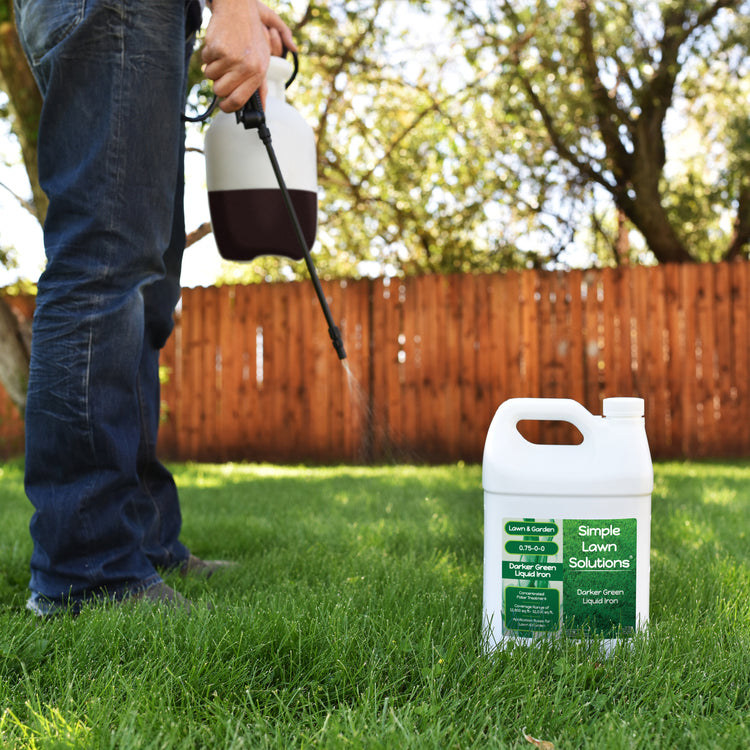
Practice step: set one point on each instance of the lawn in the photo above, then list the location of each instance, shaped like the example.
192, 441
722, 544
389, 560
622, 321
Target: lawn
354, 620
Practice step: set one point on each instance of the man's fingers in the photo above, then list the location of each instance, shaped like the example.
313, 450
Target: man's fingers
275, 42
235, 94
273, 21
236, 54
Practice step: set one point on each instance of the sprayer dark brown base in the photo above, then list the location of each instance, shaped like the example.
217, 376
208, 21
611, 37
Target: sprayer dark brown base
249, 223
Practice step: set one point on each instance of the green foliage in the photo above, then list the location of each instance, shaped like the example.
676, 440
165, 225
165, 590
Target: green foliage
479, 136
596, 94
519, 129
705, 184
271, 268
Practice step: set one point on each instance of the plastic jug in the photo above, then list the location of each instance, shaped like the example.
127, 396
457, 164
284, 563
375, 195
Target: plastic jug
248, 214
567, 528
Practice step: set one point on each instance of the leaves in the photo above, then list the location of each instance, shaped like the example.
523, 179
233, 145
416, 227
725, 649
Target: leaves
465, 136
542, 744
596, 86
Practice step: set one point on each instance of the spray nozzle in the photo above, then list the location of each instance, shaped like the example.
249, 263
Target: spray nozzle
338, 342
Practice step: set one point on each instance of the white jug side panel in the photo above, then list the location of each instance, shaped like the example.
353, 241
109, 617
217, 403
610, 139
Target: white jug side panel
643, 590
234, 161
493, 529
298, 162
239, 163
595, 467
571, 505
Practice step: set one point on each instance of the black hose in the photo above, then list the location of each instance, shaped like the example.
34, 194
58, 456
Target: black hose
252, 116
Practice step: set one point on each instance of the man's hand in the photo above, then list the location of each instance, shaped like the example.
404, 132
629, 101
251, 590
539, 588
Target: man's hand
240, 39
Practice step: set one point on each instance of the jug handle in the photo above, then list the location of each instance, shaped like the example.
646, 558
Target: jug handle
515, 410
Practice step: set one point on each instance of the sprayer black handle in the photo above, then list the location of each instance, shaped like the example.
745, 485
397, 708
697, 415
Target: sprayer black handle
295, 62
251, 115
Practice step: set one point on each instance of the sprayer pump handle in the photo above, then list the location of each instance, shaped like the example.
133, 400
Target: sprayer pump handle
251, 115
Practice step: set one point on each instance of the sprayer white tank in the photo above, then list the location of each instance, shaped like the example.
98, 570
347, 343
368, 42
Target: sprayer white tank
248, 214
567, 527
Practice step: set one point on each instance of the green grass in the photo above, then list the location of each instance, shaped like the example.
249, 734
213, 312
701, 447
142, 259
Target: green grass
354, 620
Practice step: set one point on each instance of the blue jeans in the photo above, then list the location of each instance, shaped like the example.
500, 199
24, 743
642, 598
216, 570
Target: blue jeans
111, 147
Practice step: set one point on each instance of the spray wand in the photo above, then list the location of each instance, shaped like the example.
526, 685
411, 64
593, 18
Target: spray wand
252, 116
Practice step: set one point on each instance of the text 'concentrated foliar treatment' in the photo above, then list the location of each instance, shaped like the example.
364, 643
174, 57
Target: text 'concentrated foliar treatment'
567, 527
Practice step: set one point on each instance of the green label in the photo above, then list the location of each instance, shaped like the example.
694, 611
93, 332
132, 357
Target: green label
575, 574
600, 560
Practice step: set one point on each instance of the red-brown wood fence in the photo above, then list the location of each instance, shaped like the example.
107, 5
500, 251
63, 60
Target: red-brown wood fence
251, 374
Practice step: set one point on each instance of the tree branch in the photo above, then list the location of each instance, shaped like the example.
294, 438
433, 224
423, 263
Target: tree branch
28, 205
198, 234
608, 113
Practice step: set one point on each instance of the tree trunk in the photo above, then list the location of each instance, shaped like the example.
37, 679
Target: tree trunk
622, 243
653, 223
25, 104
14, 356
640, 195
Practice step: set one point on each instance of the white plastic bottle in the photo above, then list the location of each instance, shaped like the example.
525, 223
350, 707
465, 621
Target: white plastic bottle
567, 527
248, 214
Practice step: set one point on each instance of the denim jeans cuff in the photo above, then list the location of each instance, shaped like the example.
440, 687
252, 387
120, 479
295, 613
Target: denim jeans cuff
43, 606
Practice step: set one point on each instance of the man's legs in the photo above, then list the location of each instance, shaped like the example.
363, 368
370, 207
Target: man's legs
159, 506
112, 72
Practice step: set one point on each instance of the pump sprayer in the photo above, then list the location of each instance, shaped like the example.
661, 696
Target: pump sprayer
253, 212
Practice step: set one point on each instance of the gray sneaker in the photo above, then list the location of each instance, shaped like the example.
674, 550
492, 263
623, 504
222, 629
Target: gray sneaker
194, 566
160, 594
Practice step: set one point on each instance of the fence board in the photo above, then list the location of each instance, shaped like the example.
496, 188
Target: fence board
507, 327
725, 422
433, 357
483, 403
739, 278
575, 352
244, 378
193, 368
675, 343
590, 333
615, 314
251, 373
546, 343
529, 346
472, 438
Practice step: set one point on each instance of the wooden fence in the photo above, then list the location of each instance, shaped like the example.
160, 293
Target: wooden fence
250, 373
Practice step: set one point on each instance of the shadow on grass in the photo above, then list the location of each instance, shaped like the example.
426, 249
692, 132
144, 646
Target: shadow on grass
700, 537
312, 523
